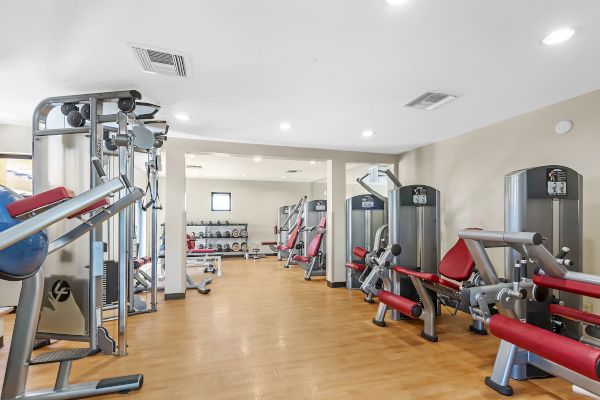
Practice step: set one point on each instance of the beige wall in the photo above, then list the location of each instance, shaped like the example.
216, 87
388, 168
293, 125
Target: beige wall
254, 202
469, 169
15, 139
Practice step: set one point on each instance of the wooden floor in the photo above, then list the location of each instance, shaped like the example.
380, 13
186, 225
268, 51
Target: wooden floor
265, 333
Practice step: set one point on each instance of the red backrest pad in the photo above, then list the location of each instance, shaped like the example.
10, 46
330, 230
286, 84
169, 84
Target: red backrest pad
294, 235
562, 350
315, 243
457, 264
191, 243
360, 252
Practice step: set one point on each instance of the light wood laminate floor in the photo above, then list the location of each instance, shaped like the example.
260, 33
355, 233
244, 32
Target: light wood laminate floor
265, 333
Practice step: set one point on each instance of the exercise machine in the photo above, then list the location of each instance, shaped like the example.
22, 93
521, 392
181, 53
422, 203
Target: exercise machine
314, 262
70, 135
365, 216
25, 247
286, 222
524, 343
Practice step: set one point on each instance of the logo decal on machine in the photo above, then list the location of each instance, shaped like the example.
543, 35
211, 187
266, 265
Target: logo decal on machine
419, 195
61, 290
556, 182
367, 202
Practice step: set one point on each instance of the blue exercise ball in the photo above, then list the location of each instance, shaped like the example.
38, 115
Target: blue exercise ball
24, 258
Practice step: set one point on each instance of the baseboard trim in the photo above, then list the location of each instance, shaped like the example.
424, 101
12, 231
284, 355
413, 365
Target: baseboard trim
336, 284
174, 296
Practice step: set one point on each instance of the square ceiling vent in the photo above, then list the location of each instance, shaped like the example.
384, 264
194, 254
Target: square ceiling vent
160, 61
430, 101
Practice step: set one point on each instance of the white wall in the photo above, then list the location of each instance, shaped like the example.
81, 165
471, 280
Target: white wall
469, 169
254, 202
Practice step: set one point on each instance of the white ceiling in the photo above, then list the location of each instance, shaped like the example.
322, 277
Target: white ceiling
331, 67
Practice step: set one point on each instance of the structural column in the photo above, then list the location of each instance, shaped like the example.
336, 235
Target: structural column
336, 223
175, 224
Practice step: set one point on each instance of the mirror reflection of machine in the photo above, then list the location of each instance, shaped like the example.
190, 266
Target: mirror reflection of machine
548, 200
414, 224
314, 210
365, 214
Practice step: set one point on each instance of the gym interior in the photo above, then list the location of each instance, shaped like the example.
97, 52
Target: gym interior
334, 199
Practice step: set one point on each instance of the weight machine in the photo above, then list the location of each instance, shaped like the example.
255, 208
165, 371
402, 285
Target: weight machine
26, 248
104, 130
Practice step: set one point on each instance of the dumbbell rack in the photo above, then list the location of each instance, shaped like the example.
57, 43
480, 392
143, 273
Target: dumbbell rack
207, 228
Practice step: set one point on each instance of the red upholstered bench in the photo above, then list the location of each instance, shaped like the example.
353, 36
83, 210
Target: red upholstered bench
40, 201
202, 251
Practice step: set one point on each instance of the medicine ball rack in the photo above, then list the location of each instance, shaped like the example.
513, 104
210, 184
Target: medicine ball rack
220, 234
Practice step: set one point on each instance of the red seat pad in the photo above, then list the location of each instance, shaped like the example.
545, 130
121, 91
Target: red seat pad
405, 306
282, 247
562, 350
39, 200
457, 264
360, 252
100, 203
571, 313
303, 259
139, 262
585, 289
202, 251
356, 266
291, 243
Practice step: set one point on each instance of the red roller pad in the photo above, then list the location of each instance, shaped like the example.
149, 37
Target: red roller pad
571, 313
360, 252
421, 275
268, 243
39, 200
405, 306
585, 289
562, 350
356, 266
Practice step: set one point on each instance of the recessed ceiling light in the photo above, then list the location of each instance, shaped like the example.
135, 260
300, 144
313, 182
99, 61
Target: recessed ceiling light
182, 117
313, 162
285, 126
558, 36
244, 175
395, 2
283, 176
368, 133
257, 159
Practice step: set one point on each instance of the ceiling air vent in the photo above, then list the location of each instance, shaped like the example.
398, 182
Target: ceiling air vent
192, 166
293, 171
430, 101
160, 62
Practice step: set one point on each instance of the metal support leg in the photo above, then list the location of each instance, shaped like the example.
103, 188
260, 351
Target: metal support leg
429, 310
17, 367
309, 271
379, 319
502, 369
289, 259
62, 378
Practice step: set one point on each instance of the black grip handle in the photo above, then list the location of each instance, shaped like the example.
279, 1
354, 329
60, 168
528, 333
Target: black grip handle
98, 166
563, 253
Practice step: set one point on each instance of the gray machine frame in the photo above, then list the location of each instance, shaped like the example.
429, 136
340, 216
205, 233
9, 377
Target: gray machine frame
414, 224
365, 214
546, 199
